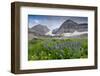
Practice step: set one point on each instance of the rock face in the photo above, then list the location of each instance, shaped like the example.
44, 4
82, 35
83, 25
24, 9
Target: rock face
70, 26
36, 31
39, 30
54, 31
83, 27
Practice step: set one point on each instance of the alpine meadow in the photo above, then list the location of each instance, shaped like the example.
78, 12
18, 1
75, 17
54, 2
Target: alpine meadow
57, 37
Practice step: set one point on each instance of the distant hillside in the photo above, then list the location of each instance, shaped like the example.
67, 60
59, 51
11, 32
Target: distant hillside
39, 29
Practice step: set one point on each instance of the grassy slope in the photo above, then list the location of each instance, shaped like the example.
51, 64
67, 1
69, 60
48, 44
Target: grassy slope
48, 49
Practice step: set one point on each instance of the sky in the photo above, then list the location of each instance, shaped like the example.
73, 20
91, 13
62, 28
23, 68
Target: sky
53, 22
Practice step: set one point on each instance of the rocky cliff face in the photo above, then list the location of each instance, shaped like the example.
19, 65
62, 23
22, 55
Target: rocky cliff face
39, 29
83, 27
70, 26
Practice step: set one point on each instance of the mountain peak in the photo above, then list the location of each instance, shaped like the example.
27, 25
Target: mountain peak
38, 25
69, 21
67, 26
40, 29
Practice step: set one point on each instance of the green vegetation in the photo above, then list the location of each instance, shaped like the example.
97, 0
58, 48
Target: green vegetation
49, 48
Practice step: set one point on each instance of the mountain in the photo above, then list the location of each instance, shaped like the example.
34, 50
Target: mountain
69, 26
39, 30
83, 27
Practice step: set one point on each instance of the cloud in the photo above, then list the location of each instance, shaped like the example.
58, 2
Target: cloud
36, 21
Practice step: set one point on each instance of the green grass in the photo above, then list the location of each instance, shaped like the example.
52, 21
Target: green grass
49, 49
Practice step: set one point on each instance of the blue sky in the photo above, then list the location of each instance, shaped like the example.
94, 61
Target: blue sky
52, 22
